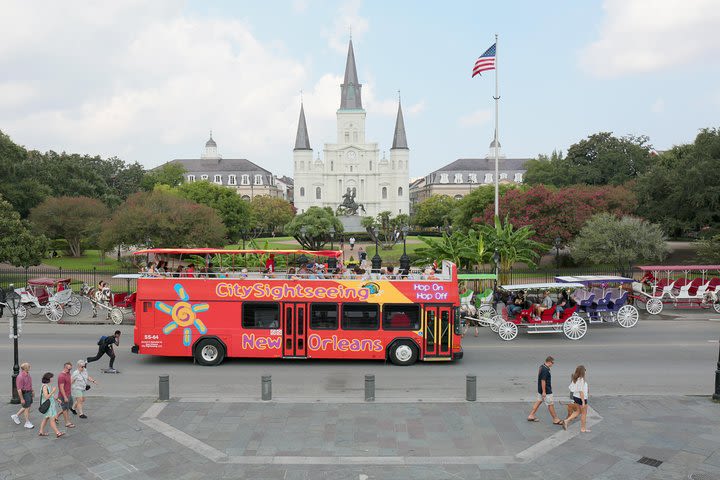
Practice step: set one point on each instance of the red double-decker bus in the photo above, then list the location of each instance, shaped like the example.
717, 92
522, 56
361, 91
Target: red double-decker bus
308, 313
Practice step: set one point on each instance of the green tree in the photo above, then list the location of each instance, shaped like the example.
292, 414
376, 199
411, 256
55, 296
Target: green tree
513, 245
72, 218
454, 247
709, 249
600, 159
316, 222
389, 228
271, 214
682, 189
435, 211
170, 173
19, 246
162, 219
234, 212
620, 242
471, 207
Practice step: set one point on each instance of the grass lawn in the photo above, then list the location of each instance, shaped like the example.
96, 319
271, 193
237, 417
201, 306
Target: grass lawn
91, 259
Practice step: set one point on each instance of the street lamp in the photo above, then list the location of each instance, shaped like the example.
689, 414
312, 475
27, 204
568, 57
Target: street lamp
332, 237
303, 235
496, 259
558, 244
13, 302
376, 260
404, 259
716, 395
332, 261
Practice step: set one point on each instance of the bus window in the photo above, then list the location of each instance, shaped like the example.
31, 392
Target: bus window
324, 317
360, 316
401, 317
261, 315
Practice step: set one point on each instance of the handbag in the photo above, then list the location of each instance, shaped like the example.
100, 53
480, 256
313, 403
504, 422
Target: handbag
44, 406
87, 387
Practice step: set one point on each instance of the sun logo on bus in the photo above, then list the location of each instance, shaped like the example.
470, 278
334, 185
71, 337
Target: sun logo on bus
373, 288
183, 315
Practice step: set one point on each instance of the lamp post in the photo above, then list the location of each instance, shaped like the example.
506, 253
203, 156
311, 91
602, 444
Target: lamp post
496, 259
332, 261
332, 237
13, 302
376, 260
404, 259
716, 395
558, 244
303, 235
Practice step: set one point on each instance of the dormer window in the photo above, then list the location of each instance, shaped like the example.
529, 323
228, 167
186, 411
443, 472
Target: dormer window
218, 179
458, 178
258, 180
191, 178
518, 178
503, 176
203, 177
232, 180
488, 178
444, 178
245, 179
472, 177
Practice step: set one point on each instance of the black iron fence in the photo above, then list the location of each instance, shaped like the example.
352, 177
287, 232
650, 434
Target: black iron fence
20, 276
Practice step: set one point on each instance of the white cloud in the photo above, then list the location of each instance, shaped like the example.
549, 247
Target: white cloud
476, 118
347, 20
640, 36
658, 106
131, 79
416, 108
300, 5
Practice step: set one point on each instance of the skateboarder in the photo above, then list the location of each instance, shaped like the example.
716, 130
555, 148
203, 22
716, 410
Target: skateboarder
105, 345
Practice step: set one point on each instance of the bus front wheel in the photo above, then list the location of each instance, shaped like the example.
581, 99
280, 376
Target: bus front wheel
209, 352
403, 353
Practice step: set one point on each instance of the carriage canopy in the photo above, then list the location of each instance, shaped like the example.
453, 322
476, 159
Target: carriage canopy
593, 279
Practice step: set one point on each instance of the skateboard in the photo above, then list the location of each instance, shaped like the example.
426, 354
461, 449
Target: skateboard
107, 370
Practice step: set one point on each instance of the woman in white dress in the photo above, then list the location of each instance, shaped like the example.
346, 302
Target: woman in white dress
579, 389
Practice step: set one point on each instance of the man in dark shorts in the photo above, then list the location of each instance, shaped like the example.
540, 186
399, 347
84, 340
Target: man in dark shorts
544, 392
105, 345
64, 395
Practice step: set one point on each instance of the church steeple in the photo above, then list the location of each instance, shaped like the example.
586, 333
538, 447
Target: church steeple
399, 139
350, 97
302, 140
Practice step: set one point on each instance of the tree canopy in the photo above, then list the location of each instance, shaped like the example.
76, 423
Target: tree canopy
170, 174
682, 189
471, 206
72, 218
271, 214
234, 212
19, 246
620, 242
162, 219
600, 159
316, 222
389, 228
434, 211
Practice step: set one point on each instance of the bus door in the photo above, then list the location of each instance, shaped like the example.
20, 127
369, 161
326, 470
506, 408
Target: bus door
295, 330
438, 332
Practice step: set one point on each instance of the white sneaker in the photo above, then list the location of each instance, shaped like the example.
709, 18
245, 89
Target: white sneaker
29, 425
15, 418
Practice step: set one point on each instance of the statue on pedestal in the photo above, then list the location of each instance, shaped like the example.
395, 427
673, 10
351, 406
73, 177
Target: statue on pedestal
349, 206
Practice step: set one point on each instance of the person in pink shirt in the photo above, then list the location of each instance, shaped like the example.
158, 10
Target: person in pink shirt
23, 383
64, 395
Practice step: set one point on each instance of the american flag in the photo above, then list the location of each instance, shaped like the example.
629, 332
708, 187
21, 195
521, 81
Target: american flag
486, 61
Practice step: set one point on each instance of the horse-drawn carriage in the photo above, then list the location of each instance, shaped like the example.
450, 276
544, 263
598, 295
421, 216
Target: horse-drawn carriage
53, 297
682, 286
115, 304
604, 299
477, 308
568, 322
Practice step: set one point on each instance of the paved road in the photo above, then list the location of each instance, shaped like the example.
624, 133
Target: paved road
658, 357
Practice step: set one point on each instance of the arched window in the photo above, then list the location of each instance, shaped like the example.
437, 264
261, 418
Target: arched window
246, 198
370, 165
318, 193
399, 191
384, 193
302, 191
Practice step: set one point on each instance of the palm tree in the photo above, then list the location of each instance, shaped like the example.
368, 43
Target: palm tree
454, 247
477, 244
513, 246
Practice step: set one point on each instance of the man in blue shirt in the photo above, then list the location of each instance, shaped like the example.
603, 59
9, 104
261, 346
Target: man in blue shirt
544, 395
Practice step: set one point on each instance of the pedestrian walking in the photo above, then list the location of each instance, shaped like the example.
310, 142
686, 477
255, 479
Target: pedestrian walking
544, 392
105, 346
65, 395
579, 388
51, 413
23, 383
362, 254
80, 384
352, 243
342, 243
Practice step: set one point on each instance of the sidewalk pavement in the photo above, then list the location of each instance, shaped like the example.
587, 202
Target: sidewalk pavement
224, 438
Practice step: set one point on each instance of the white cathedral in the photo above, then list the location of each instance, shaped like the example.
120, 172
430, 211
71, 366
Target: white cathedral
352, 165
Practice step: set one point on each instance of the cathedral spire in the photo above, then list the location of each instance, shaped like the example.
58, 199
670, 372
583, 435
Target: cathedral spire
302, 140
399, 139
350, 97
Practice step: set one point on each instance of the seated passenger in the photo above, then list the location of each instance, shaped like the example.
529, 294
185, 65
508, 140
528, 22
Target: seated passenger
179, 271
516, 304
561, 305
547, 302
430, 274
190, 270
292, 275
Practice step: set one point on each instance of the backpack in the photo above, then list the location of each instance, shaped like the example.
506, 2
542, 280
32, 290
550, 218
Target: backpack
102, 340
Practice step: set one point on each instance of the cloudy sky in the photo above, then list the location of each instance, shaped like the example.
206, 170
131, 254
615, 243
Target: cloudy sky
147, 80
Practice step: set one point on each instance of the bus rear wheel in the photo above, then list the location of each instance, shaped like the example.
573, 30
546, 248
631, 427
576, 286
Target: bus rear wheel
209, 352
403, 353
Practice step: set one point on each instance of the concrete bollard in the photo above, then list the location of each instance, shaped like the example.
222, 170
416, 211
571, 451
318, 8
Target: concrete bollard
164, 388
266, 387
470, 388
369, 388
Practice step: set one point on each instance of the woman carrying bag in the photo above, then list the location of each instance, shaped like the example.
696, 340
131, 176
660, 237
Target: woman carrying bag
579, 389
48, 406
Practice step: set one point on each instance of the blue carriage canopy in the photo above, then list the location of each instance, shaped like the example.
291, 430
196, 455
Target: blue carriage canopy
594, 279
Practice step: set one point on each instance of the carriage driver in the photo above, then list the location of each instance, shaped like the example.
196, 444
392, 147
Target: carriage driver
466, 304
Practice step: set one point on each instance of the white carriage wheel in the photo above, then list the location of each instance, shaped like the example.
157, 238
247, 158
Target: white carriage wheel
575, 327
654, 306
54, 311
73, 306
116, 315
716, 305
486, 311
35, 309
495, 323
507, 331
21, 312
627, 316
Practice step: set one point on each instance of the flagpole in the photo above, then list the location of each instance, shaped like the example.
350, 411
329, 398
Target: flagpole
497, 99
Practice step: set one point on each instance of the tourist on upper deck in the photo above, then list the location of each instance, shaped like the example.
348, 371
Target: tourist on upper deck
190, 270
270, 263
